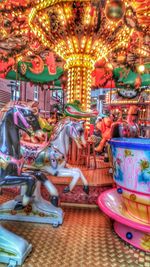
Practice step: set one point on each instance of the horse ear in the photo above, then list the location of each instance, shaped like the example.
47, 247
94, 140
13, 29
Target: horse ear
35, 111
34, 106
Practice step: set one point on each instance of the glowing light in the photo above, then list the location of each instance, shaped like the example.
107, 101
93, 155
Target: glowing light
110, 66
75, 35
141, 68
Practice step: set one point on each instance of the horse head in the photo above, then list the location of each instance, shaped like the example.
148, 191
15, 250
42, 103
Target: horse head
25, 118
75, 131
55, 156
22, 115
14, 116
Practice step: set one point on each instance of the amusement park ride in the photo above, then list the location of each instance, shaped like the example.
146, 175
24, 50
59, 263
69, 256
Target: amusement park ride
48, 157
113, 33
80, 32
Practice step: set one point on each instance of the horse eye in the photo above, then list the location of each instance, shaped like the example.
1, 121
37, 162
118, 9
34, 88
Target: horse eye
23, 111
26, 112
30, 118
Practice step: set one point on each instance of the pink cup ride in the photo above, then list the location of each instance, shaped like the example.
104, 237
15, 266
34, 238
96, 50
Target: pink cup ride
129, 205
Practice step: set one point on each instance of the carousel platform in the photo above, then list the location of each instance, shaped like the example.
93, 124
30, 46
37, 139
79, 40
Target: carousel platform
99, 180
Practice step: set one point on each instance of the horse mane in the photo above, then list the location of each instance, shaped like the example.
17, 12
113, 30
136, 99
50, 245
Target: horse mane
59, 127
30, 105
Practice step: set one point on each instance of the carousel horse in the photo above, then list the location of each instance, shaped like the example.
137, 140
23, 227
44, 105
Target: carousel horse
64, 131
20, 116
37, 156
17, 116
14, 249
11, 162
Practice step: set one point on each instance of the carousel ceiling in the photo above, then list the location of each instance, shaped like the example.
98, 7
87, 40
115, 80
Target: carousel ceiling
116, 30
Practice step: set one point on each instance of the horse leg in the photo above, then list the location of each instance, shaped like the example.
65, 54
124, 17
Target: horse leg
49, 186
84, 181
75, 174
20, 180
41, 177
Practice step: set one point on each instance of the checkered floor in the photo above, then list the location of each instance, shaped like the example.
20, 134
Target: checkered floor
86, 239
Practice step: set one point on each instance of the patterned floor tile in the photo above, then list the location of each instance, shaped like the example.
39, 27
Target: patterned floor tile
86, 239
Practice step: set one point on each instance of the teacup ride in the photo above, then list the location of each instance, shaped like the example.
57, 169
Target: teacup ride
129, 204
29, 206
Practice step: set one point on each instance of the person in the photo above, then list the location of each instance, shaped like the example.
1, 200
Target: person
104, 125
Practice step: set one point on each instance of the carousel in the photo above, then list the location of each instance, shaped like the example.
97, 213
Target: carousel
74, 133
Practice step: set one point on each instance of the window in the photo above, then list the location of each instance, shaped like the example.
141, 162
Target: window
36, 93
15, 90
57, 95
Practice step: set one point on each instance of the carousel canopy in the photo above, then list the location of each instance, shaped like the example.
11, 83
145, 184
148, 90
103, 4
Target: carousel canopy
80, 33
126, 77
26, 73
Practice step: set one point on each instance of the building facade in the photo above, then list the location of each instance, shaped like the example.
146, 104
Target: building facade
25, 91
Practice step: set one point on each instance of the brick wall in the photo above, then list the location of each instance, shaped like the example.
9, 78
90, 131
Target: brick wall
27, 94
45, 99
5, 92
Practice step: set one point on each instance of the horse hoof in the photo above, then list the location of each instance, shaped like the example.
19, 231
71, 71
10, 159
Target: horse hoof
54, 201
86, 189
19, 206
66, 189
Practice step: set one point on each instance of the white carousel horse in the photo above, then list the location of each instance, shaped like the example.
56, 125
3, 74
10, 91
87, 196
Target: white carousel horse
37, 156
63, 132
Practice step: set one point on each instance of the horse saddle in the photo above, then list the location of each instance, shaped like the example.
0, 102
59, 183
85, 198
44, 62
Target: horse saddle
31, 150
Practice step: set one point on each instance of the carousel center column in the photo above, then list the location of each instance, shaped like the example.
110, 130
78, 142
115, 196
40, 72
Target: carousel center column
79, 68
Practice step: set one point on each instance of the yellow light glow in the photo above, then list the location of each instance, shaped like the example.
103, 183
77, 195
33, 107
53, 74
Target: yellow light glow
141, 68
80, 51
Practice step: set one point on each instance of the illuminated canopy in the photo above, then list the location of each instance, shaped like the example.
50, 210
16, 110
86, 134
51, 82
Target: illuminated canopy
80, 32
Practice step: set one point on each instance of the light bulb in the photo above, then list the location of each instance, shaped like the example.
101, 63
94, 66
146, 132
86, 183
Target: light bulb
141, 68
